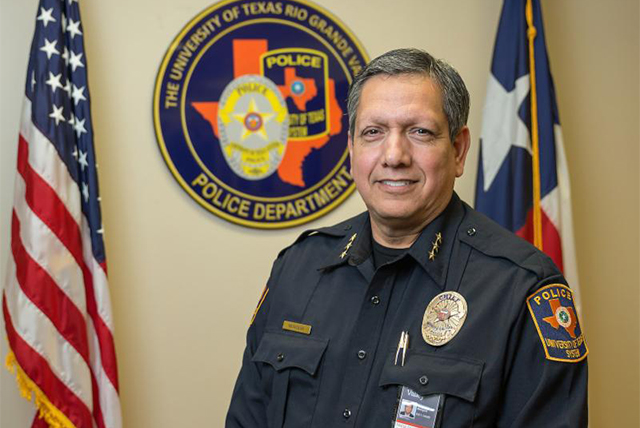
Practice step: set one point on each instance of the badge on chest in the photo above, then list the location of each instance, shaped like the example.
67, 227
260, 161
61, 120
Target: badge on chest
443, 318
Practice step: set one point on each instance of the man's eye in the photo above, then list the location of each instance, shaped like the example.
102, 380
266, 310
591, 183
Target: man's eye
370, 132
423, 131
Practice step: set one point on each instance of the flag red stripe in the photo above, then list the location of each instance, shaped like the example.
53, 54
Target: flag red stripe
107, 350
43, 291
44, 201
38, 370
38, 422
551, 241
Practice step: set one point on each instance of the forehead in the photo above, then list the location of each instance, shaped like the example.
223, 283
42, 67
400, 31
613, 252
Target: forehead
402, 96
380, 81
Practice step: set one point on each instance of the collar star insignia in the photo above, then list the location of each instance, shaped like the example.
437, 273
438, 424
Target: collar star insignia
348, 246
436, 246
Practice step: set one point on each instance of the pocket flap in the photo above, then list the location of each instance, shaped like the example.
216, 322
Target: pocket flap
434, 374
283, 351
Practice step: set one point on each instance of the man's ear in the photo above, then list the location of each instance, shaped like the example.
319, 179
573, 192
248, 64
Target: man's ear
461, 146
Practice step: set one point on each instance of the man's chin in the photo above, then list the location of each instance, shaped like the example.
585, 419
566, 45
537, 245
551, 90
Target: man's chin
395, 217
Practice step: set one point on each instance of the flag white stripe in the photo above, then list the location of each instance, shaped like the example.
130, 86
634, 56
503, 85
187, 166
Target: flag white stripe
109, 399
100, 285
46, 249
46, 162
551, 206
37, 330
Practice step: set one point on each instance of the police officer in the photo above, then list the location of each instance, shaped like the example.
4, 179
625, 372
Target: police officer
420, 301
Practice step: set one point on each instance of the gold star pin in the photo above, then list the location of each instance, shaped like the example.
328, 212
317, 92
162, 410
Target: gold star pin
348, 246
436, 246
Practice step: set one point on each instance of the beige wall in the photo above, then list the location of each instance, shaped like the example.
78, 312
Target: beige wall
184, 283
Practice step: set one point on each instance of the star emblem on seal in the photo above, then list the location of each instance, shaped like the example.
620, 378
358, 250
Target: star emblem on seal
253, 120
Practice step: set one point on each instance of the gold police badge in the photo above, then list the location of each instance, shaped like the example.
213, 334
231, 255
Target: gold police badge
443, 318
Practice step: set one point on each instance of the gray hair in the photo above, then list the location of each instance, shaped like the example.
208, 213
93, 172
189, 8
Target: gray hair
455, 97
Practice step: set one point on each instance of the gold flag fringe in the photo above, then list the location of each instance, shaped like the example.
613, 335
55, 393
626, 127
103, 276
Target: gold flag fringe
28, 389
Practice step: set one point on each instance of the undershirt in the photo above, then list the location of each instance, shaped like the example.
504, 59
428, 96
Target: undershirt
383, 255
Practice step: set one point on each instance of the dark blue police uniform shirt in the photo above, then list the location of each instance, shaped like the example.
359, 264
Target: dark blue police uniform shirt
493, 373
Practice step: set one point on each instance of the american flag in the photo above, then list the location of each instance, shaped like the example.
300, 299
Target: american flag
523, 181
55, 302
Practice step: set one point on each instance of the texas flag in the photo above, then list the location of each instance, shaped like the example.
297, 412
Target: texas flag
523, 182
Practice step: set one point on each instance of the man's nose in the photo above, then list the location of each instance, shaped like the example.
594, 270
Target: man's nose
397, 150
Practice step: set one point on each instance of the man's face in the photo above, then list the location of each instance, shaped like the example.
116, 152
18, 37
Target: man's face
402, 158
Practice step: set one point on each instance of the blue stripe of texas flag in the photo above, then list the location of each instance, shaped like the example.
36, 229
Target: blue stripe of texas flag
509, 198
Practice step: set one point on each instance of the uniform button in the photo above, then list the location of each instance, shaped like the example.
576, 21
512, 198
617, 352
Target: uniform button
280, 357
375, 300
347, 227
346, 413
471, 231
423, 380
362, 354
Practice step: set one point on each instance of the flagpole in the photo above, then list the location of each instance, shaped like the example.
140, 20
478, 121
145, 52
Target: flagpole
537, 212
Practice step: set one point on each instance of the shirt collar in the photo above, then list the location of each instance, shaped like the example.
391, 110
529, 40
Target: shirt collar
356, 247
433, 248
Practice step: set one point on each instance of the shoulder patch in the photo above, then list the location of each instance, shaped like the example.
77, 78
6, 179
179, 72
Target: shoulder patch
554, 314
260, 302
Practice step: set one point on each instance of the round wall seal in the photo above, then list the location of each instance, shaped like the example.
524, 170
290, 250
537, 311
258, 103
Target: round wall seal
250, 111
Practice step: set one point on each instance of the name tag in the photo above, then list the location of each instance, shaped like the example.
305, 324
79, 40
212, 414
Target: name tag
297, 327
416, 411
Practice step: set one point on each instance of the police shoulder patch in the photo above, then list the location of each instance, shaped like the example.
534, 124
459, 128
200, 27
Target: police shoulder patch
554, 315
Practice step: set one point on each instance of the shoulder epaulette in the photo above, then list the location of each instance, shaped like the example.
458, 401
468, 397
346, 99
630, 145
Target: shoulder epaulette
338, 230
491, 239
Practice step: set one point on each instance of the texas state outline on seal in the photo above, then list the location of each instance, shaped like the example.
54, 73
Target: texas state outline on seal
250, 111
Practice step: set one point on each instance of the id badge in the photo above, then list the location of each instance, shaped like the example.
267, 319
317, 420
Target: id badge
416, 411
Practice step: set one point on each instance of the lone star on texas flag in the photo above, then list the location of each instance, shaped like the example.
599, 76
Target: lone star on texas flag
502, 126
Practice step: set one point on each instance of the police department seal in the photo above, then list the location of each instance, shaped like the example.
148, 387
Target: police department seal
249, 111
443, 318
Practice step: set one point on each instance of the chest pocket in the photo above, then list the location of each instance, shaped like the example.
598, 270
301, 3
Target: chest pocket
291, 376
457, 378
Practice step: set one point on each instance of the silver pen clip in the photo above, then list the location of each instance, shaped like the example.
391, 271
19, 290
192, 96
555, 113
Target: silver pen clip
403, 344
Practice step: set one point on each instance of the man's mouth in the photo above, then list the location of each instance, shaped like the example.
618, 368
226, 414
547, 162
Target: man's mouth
396, 183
